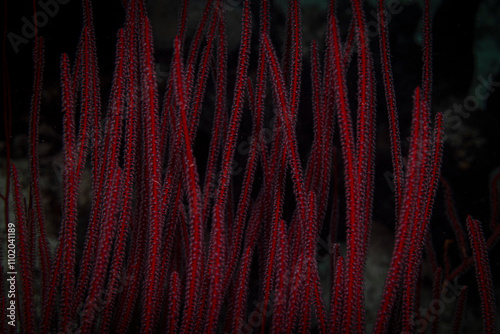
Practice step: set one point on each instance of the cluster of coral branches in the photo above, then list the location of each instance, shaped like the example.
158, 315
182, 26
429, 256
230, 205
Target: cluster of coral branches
170, 247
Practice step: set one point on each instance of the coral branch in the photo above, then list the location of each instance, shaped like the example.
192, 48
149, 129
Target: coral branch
483, 274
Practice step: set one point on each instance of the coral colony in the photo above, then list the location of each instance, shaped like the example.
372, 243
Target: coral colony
178, 242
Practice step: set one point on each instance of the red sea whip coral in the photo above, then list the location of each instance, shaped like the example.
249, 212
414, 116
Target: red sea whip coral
172, 248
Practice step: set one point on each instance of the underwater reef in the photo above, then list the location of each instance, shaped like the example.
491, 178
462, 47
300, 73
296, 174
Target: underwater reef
270, 167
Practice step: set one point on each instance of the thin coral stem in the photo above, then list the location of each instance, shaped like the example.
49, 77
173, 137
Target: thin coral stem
420, 227
483, 274
77, 155
238, 308
195, 234
112, 190
174, 302
459, 311
360, 207
37, 213
405, 224
217, 247
217, 127
451, 213
337, 298
150, 110
26, 262
397, 161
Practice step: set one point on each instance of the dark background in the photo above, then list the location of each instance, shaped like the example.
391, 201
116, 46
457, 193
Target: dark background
471, 151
